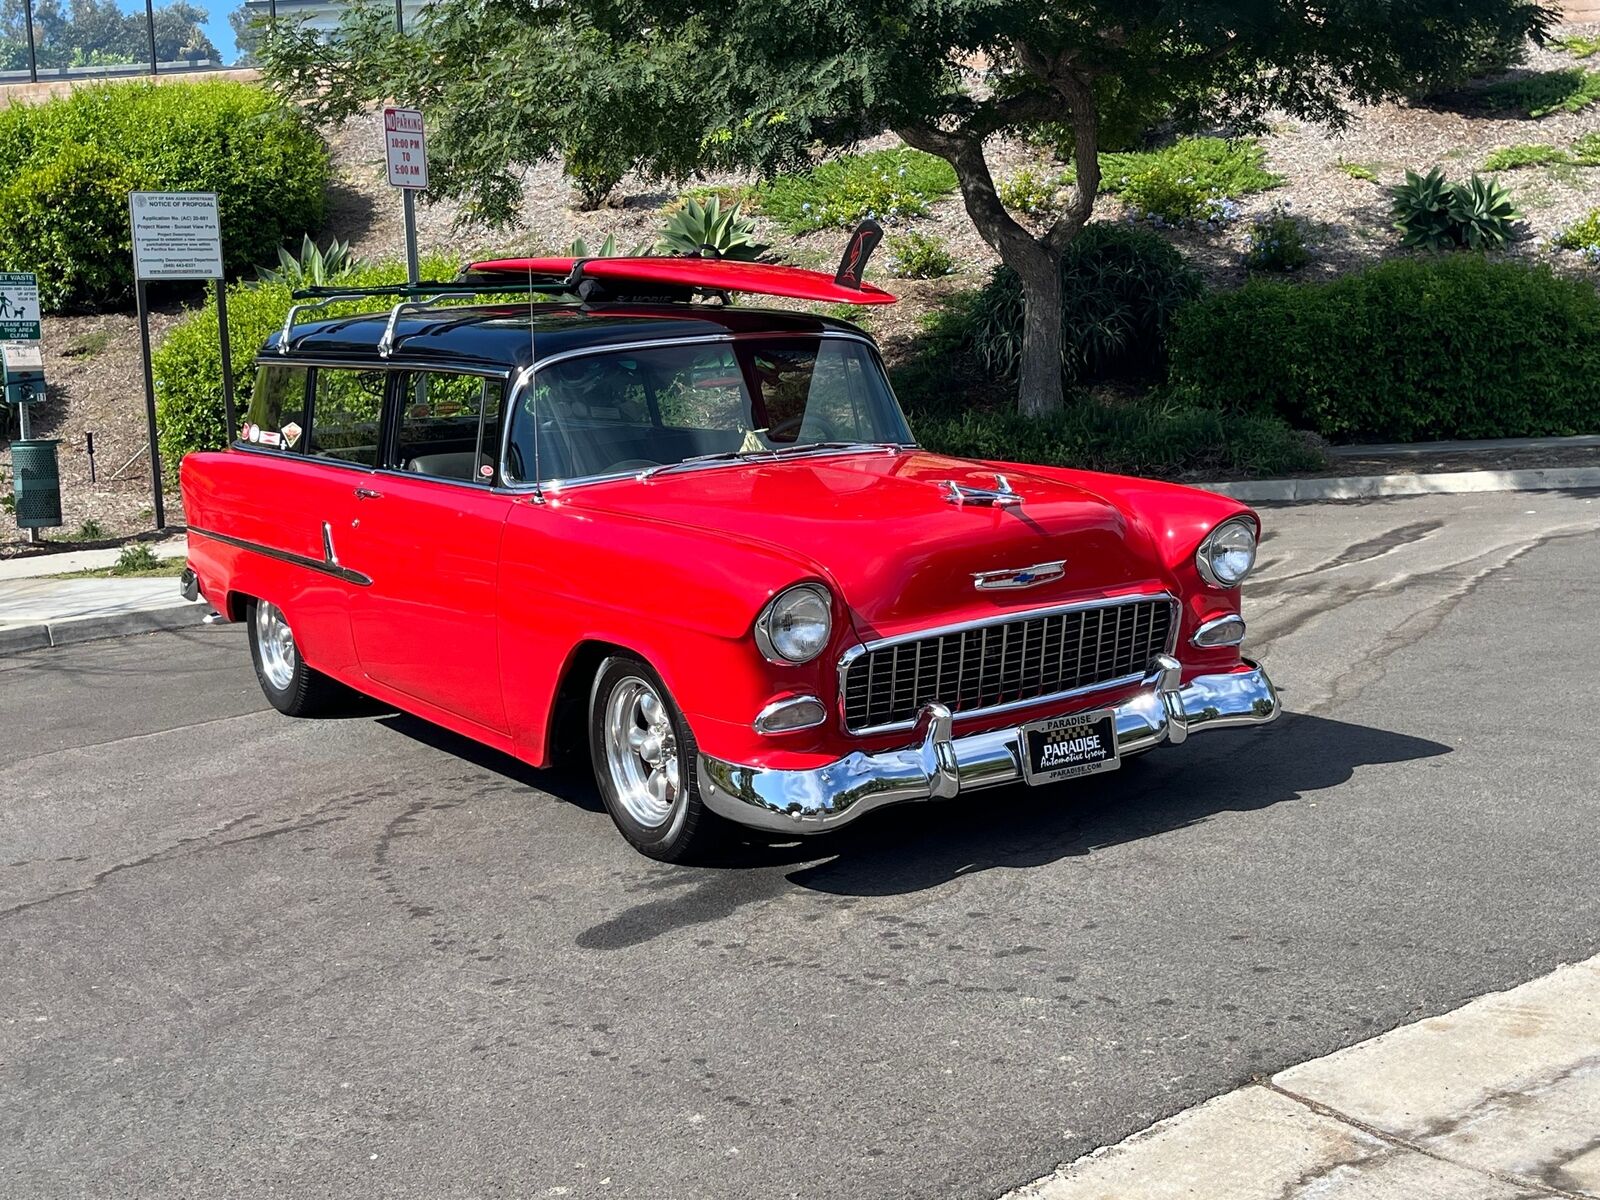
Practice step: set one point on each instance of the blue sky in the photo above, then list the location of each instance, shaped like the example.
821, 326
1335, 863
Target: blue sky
217, 27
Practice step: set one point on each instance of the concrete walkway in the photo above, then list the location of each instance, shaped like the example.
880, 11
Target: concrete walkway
38, 566
1499, 1100
49, 611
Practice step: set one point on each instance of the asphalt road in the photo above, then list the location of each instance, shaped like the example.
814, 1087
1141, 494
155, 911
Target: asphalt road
247, 956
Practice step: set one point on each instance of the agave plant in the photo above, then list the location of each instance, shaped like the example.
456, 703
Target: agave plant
313, 267
706, 229
1433, 214
606, 249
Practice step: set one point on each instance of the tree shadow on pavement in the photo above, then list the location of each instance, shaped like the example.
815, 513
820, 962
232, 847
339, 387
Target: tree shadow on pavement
909, 848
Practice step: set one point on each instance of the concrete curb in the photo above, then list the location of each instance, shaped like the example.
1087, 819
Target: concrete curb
93, 629
1494, 1101
1582, 441
1441, 483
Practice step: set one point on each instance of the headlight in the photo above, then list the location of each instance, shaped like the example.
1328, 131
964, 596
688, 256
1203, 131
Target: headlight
1227, 553
794, 626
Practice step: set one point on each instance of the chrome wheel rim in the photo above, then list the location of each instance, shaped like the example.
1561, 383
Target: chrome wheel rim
642, 752
275, 645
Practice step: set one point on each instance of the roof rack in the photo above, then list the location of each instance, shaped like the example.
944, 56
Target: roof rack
415, 298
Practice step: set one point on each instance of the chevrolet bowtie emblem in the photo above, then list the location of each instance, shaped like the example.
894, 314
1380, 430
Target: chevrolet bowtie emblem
1019, 577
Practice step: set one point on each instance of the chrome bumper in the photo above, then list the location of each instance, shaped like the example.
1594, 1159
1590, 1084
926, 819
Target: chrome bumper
942, 765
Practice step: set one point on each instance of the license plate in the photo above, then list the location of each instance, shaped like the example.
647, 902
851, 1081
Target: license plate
1067, 747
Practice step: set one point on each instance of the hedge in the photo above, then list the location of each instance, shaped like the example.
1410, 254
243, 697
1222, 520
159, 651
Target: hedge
188, 363
1459, 346
70, 163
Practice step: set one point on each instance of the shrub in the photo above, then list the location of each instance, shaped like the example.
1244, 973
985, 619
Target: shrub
1432, 214
1586, 150
1216, 166
1147, 438
839, 192
1035, 193
1120, 289
1537, 154
1277, 243
1543, 93
696, 227
920, 256
1583, 235
188, 364
68, 158
1484, 53
136, 557
1414, 349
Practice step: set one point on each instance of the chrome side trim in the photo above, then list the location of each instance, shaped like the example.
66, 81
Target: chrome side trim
327, 565
940, 766
1020, 614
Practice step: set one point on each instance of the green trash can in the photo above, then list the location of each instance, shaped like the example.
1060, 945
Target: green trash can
36, 483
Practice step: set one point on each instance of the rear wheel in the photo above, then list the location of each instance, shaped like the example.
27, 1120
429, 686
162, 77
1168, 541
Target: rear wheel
290, 686
644, 763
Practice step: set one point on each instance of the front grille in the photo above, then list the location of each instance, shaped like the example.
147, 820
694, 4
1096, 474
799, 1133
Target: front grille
1007, 662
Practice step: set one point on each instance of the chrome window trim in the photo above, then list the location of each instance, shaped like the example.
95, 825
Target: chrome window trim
1021, 614
525, 378
503, 374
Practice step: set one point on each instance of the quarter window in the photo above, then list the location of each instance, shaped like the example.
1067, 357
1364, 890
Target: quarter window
276, 417
449, 426
347, 414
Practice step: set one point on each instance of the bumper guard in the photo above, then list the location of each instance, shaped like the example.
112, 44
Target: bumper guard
941, 765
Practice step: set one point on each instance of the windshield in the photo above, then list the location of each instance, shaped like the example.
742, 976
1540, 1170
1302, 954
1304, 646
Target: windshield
660, 406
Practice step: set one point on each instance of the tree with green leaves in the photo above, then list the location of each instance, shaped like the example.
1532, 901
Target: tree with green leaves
669, 87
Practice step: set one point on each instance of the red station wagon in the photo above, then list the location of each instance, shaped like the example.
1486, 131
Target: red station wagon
704, 533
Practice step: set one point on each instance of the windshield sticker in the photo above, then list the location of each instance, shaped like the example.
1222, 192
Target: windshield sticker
252, 433
291, 434
270, 437
486, 471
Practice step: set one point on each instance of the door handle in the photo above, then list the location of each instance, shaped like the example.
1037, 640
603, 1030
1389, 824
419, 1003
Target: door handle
368, 494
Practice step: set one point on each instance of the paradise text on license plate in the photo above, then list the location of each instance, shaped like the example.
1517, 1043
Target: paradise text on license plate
1066, 747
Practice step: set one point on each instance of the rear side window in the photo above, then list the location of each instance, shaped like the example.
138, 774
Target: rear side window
276, 417
449, 426
347, 414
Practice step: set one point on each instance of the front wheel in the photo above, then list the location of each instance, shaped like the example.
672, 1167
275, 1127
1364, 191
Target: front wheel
644, 763
290, 686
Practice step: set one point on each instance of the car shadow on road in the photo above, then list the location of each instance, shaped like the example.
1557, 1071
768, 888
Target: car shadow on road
910, 848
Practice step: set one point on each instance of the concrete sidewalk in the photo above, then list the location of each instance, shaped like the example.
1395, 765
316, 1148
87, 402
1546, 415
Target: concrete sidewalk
1499, 1100
36, 613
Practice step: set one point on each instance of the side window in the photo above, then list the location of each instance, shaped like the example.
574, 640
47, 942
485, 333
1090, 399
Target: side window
347, 414
276, 417
449, 426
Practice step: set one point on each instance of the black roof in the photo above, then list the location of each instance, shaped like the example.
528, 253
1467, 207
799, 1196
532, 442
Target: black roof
497, 336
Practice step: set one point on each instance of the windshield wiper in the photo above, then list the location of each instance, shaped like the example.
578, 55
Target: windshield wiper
698, 459
805, 447
764, 454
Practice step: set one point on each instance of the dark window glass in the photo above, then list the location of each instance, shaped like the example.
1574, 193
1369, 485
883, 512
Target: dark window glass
347, 414
449, 426
276, 417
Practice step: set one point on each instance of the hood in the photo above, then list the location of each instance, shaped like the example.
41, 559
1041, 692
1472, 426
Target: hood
881, 526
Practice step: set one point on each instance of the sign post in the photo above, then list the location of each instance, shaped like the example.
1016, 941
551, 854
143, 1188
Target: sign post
406, 149
175, 237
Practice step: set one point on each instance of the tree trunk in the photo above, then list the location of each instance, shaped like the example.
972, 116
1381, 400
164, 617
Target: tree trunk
1039, 389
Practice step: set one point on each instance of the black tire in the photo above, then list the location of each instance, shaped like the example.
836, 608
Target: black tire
305, 692
689, 831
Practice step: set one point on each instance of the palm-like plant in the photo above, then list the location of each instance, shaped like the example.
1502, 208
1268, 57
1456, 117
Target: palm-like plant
1433, 214
606, 249
313, 267
708, 229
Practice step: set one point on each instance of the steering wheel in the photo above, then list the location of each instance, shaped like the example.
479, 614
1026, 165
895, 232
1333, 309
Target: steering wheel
788, 430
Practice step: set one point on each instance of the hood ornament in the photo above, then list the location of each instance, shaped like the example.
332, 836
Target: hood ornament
1019, 577
999, 496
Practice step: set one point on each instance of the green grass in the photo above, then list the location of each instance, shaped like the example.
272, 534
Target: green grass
839, 192
1585, 152
1546, 92
1578, 45
1582, 234
1355, 170
87, 345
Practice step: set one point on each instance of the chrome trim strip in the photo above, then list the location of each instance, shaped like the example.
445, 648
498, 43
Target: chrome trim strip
939, 766
325, 565
778, 706
1021, 614
1213, 623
